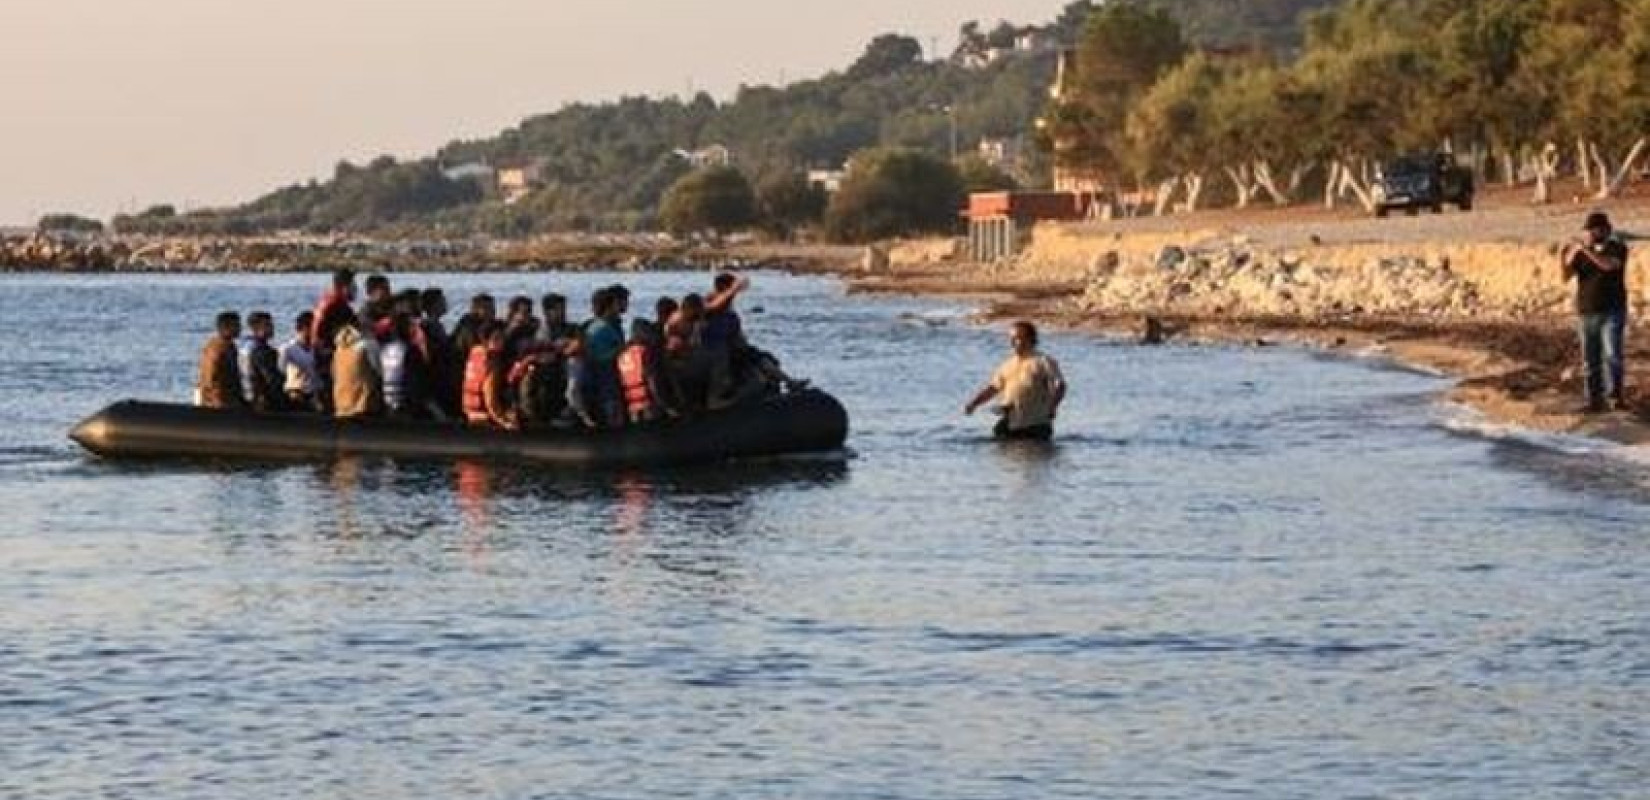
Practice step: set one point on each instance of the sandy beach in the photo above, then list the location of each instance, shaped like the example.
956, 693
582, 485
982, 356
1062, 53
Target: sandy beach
1476, 296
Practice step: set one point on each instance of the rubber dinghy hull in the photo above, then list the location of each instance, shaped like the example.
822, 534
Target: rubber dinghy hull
802, 422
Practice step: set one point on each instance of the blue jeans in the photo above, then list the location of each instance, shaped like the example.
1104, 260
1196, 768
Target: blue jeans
1601, 348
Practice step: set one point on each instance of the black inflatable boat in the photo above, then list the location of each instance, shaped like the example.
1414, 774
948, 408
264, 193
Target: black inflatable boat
801, 422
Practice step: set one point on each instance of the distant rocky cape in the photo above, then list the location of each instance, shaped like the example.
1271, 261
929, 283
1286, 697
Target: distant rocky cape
277, 255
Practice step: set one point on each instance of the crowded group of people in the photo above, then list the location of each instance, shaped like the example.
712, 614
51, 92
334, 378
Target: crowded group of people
529, 368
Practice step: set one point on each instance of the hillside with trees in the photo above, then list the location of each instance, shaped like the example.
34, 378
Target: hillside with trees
1520, 90
607, 166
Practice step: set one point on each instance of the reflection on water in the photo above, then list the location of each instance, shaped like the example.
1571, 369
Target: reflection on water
1029, 464
1235, 572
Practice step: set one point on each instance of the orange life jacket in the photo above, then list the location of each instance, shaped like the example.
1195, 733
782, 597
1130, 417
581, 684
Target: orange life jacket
634, 364
476, 374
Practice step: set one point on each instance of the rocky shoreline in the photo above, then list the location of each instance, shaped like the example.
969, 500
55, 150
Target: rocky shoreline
1476, 297
140, 255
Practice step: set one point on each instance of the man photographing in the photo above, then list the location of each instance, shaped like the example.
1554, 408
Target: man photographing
1599, 265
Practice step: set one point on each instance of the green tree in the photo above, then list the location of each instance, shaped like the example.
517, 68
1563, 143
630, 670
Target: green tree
1478, 96
1268, 132
978, 175
1269, 24
895, 192
1003, 36
1125, 47
716, 199
886, 55
786, 201
69, 223
1068, 26
1171, 129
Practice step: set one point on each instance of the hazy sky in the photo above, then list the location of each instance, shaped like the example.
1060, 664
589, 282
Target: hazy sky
113, 105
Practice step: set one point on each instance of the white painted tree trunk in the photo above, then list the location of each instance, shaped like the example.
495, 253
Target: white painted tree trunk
1478, 158
1584, 162
1331, 187
1509, 169
1297, 176
1610, 186
1267, 180
1165, 195
1600, 169
1243, 182
1357, 183
1193, 181
1545, 166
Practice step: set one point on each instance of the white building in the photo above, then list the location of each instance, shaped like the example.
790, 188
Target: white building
828, 179
475, 171
715, 155
1004, 154
519, 179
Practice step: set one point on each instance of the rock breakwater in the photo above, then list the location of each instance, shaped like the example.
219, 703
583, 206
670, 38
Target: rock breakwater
45, 253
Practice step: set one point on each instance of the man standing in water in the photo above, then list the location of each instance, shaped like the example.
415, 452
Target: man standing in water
1599, 266
1031, 388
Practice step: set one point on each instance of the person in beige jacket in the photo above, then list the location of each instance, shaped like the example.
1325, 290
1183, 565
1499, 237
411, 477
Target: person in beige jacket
219, 381
357, 373
1028, 386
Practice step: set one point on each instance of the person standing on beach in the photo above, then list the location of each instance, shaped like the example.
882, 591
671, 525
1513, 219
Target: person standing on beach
1030, 386
1599, 265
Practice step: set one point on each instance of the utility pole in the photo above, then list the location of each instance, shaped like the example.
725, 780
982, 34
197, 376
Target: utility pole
951, 120
951, 112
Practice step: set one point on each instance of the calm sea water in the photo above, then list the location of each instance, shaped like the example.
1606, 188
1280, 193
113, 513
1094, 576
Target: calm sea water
1240, 572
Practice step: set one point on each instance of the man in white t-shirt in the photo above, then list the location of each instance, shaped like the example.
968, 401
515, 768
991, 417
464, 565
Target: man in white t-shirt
1030, 387
297, 364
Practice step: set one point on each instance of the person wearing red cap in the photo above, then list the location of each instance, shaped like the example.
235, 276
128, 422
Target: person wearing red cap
1598, 263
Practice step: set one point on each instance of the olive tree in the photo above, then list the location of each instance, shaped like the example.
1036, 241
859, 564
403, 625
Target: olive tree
716, 199
894, 192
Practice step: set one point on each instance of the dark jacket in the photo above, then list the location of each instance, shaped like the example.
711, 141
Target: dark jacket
1597, 291
265, 384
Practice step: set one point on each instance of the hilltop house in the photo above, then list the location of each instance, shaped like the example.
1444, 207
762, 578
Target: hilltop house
1032, 39
1004, 154
473, 171
983, 51
828, 179
715, 155
517, 179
